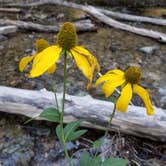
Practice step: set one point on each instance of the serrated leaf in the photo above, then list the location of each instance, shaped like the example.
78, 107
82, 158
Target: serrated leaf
51, 114
75, 135
59, 133
85, 159
115, 162
97, 144
70, 128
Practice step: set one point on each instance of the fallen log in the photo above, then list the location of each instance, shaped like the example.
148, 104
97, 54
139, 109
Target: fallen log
98, 15
95, 112
10, 10
8, 29
129, 17
81, 26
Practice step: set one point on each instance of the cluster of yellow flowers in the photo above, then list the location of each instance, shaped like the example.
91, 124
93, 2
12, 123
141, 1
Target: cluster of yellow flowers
46, 57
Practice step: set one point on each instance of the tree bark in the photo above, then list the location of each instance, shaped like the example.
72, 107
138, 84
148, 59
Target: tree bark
96, 113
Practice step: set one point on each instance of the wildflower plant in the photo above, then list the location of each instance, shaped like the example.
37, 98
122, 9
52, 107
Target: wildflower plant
45, 59
128, 83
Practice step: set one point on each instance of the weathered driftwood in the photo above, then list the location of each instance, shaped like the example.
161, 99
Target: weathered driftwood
95, 112
81, 26
100, 16
129, 17
10, 10
8, 29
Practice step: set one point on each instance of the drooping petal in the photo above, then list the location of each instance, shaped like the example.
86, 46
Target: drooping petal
124, 99
44, 60
51, 69
82, 64
145, 97
92, 60
109, 86
109, 77
116, 71
24, 62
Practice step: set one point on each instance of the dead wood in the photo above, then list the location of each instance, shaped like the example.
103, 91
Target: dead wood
100, 16
8, 29
95, 112
81, 26
129, 17
10, 10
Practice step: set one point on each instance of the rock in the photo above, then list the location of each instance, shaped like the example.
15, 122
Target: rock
2, 37
16, 147
162, 92
60, 16
149, 49
1, 47
28, 50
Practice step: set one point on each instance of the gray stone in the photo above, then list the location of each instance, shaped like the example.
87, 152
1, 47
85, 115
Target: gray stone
149, 49
162, 92
2, 37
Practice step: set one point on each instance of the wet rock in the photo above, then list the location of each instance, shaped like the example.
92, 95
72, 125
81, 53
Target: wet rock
149, 49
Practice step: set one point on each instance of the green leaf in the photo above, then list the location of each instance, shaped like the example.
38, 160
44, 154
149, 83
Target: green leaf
59, 133
85, 159
115, 162
51, 114
97, 144
96, 161
75, 135
70, 128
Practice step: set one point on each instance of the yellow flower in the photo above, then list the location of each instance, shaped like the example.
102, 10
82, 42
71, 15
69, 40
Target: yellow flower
41, 44
66, 42
128, 81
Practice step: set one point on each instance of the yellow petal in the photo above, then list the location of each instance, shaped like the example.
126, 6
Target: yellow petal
110, 77
124, 99
44, 60
82, 50
82, 64
109, 86
92, 60
52, 69
145, 97
116, 71
24, 62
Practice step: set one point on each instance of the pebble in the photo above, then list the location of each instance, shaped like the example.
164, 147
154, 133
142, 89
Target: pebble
2, 38
149, 49
162, 92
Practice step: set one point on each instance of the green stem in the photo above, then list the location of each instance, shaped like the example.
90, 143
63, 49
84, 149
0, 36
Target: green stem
110, 121
63, 108
54, 90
